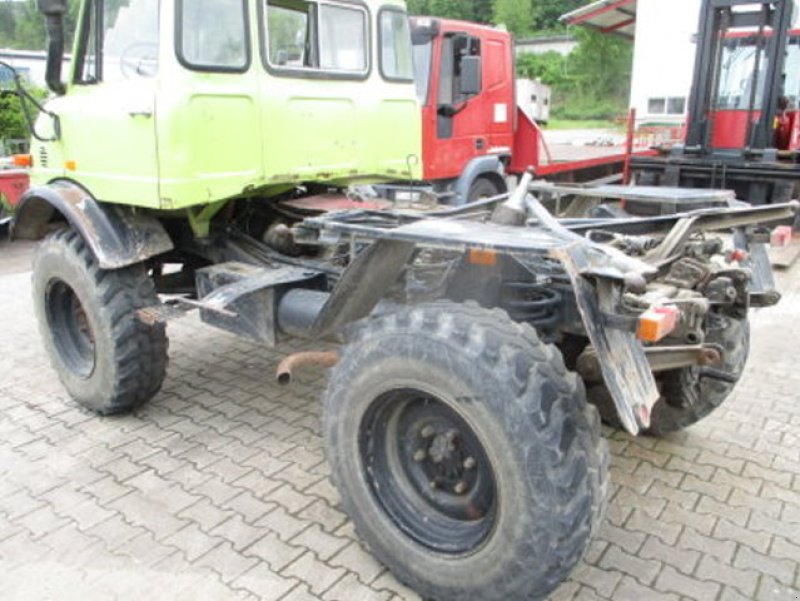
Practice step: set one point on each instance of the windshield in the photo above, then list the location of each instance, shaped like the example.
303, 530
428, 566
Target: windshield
791, 86
737, 75
422, 68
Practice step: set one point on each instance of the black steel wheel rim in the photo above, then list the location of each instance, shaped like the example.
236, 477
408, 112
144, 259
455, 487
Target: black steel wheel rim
428, 471
70, 328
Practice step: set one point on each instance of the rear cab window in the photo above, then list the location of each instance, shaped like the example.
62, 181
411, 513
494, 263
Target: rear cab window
315, 39
395, 46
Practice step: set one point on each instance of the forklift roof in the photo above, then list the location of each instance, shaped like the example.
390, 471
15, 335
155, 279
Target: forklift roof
616, 17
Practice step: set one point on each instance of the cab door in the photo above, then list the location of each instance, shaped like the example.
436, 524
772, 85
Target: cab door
108, 115
462, 118
209, 124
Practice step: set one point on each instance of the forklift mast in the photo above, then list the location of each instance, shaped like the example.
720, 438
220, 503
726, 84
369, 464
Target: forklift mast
721, 121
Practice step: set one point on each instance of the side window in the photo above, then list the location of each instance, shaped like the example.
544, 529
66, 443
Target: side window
290, 35
395, 45
119, 40
213, 35
319, 37
455, 50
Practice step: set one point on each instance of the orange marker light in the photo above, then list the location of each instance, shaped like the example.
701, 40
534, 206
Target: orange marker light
656, 324
486, 258
22, 160
70, 165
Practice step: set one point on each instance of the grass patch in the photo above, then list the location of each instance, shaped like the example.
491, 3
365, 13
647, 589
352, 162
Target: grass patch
583, 124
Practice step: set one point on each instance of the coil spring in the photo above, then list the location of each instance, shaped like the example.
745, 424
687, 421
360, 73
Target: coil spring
532, 303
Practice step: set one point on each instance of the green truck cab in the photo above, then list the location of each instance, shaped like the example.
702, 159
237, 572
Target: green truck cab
178, 104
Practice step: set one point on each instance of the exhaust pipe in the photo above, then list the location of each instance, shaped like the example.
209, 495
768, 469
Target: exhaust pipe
292, 362
54, 11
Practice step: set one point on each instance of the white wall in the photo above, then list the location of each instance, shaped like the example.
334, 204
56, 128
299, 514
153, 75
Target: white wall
663, 61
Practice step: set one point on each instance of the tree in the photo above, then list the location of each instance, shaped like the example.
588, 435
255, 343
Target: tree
22, 25
516, 15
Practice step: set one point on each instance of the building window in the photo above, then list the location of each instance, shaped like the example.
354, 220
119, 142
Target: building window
666, 106
657, 106
676, 106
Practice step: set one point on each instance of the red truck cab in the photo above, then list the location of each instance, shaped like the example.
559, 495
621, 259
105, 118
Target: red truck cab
473, 132
465, 80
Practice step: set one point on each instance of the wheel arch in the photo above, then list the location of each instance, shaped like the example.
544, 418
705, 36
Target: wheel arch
490, 167
118, 235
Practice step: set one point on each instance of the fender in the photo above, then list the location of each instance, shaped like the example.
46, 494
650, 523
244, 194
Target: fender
474, 169
118, 235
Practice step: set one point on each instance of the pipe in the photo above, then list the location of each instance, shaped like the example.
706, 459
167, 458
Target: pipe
287, 367
54, 11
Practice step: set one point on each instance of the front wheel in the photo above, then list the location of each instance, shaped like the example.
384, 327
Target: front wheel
483, 187
108, 360
465, 453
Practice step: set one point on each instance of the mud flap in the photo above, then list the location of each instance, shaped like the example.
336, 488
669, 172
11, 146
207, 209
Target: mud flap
626, 370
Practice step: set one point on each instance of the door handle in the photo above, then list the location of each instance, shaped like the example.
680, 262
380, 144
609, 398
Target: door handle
145, 113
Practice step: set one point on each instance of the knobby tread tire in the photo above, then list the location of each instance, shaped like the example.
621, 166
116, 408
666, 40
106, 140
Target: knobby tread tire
131, 356
553, 462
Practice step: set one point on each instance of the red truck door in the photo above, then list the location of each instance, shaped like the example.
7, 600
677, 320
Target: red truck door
460, 126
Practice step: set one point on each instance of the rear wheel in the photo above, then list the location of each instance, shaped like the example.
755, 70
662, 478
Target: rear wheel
465, 453
108, 360
688, 395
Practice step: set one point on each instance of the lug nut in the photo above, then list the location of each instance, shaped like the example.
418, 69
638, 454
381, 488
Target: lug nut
434, 485
420, 456
469, 463
428, 432
461, 488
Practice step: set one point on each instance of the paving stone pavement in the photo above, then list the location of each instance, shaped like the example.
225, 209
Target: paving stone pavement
219, 489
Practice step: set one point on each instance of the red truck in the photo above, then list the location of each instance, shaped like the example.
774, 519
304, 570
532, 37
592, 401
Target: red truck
13, 184
474, 134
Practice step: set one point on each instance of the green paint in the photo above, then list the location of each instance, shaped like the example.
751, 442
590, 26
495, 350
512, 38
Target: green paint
200, 218
187, 138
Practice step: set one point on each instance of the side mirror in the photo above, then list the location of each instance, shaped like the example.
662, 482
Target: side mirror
52, 7
470, 82
54, 11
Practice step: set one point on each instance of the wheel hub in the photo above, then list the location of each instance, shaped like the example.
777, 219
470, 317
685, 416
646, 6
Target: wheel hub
429, 471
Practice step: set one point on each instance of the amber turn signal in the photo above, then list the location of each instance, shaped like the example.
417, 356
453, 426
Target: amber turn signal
656, 324
486, 258
22, 160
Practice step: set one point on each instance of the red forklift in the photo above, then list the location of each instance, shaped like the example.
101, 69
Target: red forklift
474, 134
743, 126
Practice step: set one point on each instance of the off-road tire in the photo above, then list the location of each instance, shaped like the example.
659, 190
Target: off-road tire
688, 396
483, 187
110, 362
529, 414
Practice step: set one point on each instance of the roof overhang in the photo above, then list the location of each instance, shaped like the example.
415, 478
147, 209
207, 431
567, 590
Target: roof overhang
614, 17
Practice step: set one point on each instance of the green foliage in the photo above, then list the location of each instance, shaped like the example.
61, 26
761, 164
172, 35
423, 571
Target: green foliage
22, 25
591, 83
479, 11
12, 121
516, 15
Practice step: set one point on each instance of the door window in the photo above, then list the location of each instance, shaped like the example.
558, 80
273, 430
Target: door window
119, 40
213, 35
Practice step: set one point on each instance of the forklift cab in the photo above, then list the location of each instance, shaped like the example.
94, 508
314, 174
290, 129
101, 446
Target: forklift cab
179, 103
746, 81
